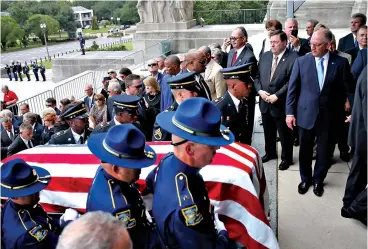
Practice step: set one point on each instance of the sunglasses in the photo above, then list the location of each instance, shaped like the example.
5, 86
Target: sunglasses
232, 38
48, 105
139, 86
152, 65
99, 99
202, 62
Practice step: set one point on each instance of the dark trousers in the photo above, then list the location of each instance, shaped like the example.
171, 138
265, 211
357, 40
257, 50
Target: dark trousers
270, 126
20, 76
306, 140
10, 76
28, 77
341, 138
359, 205
82, 48
36, 75
357, 179
43, 76
15, 76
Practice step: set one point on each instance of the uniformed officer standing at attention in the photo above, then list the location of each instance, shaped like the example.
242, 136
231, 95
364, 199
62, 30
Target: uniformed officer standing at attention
123, 152
14, 70
35, 70
26, 71
126, 111
183, 86
42, 72
77, 117
82, 42
24, 222
19, 70
8, 72
181, 205
233, 105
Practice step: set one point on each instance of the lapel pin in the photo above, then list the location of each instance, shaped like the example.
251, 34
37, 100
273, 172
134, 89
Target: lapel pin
69, 139
283, 59
227, 118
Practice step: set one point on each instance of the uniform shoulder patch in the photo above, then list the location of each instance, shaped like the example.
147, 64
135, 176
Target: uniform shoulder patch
191, 215
60, 133
125, 217
157, 134
38, 232
218, 100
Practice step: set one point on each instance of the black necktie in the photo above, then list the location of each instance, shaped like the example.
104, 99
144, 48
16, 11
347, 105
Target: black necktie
243, 110
81, 140
11, 136
29, 144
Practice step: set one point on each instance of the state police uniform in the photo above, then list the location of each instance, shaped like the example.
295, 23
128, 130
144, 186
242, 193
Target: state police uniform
181, 205
42, 72
26, 71
182, 81
238, 121
82, 42
35, 70
14, 71
25, 226
78, 111
8, 72
123, 146
121, 103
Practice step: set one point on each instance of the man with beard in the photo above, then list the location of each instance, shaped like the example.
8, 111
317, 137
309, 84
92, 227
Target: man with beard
24, 222
77, 118
181, 205
123, 152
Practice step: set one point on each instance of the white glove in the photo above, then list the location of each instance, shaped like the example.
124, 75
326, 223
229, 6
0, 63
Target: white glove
220, 226
70, 214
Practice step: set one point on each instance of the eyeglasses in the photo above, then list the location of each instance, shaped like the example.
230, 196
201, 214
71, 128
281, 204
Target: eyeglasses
99, 99
152, 65
232, 38
48, 105
202, 61
138, 86
317, 45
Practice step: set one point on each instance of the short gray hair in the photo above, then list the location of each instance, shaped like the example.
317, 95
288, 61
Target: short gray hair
5, 119
114, 86
93, 230
217, 52
292, 20
32, 117
6, 113
25, 126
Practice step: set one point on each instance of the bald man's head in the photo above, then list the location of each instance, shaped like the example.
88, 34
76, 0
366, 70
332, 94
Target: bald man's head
196, 62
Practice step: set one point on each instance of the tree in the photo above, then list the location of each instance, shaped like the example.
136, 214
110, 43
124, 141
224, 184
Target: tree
128, 13
52, 25
65, 17
104, 23
10, 31
94, 23
105, 9
20, 11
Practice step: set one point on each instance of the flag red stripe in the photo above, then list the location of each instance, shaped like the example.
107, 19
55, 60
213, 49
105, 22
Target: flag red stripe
234, 227
246, 156
70, 184
224, 191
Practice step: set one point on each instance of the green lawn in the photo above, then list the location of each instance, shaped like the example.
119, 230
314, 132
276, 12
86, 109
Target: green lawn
15, 49
101, 30
129, 45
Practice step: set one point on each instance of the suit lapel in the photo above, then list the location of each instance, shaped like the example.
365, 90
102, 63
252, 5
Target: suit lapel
281, 63
314, 71
208, 71
331, 66
230, 105
268, 62
240, 57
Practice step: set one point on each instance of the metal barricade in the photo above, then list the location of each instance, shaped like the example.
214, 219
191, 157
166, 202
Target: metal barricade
36, 103
73, 87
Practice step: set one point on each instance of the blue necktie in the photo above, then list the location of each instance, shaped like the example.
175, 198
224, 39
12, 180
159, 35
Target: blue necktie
320, 71
355, 43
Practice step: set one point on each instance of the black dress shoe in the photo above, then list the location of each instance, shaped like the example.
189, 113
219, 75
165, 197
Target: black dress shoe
284, 165
345, 213
267, 158
303, 187
296, 142
318, 189
345, 156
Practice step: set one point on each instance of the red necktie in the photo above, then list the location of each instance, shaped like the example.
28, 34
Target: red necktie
234, 59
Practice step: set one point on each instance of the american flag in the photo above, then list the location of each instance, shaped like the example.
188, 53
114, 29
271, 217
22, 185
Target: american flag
235, 182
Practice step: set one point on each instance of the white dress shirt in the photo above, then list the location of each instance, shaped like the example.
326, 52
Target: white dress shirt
278, 57
325, 63
26, 142
235, 100
8, 132
77, 136
238, 52
116, 122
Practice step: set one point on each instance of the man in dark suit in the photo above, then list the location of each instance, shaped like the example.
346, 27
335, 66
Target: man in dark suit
239, 55
309, 28
89, 100
361, 38
360, 62
23, 141
357, 179
233, 106
271, 84
51, 102
8, 134
77, 118
349, 41
7, 113
153, 69
196, 62
31, 118
24, 108
315, 102
295, 43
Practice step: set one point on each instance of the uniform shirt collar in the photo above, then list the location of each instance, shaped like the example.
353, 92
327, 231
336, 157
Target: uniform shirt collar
110, 177
20, 207
240, 50
77, 136
235, 100
325, 57
183, 167
116, 121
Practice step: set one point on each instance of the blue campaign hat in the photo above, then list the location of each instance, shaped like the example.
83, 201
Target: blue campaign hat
184, 81
242, 72
128, 103
77, 111
19, 179
123, 145
197, 120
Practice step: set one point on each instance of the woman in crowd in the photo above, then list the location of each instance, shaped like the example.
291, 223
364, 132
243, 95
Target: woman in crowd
152, 99
49, 119
63, 103
98, 113
271, 25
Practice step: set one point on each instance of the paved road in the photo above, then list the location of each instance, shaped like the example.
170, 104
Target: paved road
27, 55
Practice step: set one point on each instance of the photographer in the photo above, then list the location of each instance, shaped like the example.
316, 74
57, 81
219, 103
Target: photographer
295, 43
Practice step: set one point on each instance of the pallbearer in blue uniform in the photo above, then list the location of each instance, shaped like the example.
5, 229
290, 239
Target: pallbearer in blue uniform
82, 42
181, 206
26, 71
183, 86
123, 152
234, 107
24, 222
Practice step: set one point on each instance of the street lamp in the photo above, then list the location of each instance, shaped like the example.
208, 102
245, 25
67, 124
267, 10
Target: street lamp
118, 21
43, 28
